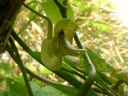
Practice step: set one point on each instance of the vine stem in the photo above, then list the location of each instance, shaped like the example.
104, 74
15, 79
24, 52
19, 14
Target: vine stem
20, 64
92, 72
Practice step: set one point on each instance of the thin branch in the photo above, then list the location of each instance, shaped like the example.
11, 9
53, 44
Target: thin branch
38, 77
20, 64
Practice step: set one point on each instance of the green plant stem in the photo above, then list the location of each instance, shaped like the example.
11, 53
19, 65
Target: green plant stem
91, 77
92, 74
20, 64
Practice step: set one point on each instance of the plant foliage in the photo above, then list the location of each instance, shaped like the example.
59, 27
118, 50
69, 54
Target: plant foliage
85, 75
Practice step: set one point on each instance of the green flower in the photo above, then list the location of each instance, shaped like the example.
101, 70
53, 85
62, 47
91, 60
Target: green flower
53, 50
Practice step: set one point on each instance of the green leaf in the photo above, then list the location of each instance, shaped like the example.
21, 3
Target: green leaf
49, 91
6, 93
33, 6
83, 65
17, 87
34, 86
70, 13
5, 67
35, 55
106, 79
70, 91
100, 64
51, 10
